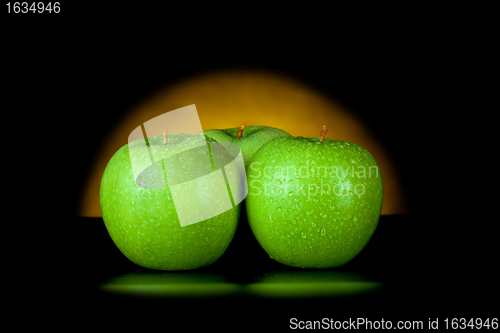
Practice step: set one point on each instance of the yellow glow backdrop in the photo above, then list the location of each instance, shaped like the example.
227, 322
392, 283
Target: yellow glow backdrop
226, 99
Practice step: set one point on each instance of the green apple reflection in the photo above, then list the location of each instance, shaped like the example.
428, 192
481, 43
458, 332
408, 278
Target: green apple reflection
311, 284
170, 285
275, 284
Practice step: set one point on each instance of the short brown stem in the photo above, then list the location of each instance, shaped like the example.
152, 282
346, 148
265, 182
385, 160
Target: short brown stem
240, 131
323, 132
165, 137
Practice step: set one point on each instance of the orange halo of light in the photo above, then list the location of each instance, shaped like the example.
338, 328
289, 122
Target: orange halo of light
227, 99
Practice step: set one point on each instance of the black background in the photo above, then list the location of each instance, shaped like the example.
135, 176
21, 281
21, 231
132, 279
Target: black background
86, 68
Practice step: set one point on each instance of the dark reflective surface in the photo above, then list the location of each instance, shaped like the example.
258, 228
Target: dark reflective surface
275, 284
403, 272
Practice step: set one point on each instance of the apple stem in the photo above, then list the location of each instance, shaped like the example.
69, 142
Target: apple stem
323, 132
240, 131
165, 135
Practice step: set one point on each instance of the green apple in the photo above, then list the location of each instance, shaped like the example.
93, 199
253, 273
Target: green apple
248, 138
139, 212
313, 202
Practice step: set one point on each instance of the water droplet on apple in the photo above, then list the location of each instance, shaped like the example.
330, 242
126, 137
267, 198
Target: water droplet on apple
278, 182
290, 182
278, 209
313, 224
290, 193
271, 200
281, 191
309, 212
323, 232
354, 218
337, 212
270, 178
323, 215
304, 235
296, 199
